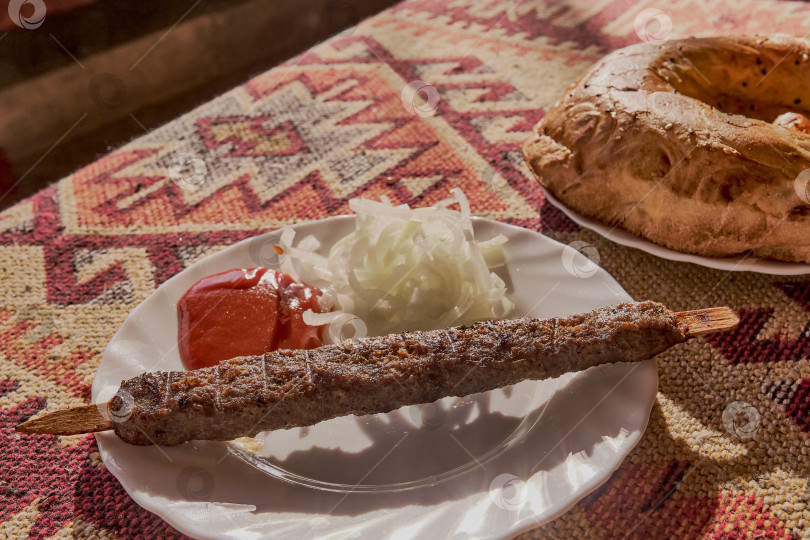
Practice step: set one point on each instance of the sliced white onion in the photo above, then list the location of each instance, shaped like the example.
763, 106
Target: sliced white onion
406, 269
319, 319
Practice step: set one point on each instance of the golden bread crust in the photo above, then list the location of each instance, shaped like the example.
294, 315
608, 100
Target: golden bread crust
675, 142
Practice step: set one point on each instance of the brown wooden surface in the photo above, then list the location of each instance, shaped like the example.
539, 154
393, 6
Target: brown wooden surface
88, 81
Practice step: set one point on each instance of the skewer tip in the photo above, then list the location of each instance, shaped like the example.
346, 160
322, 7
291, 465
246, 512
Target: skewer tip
707, 321
73, 421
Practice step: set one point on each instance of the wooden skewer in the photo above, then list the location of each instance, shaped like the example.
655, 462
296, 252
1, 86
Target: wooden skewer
95, 417
708, 321
84, 419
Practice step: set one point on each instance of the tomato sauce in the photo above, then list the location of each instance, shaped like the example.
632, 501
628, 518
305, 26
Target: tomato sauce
245, 311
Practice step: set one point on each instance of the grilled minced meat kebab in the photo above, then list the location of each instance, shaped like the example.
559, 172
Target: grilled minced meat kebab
244, 396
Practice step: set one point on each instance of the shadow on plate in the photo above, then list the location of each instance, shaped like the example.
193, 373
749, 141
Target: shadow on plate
558, 431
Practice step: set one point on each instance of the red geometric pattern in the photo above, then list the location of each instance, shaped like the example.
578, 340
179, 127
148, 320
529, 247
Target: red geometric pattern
249, 136
799, 407
65, 483
296, 143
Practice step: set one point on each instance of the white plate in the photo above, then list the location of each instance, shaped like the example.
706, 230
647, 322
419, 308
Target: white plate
732, 264
491, 465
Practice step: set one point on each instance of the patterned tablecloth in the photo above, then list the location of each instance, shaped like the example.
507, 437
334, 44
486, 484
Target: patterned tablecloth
337, 122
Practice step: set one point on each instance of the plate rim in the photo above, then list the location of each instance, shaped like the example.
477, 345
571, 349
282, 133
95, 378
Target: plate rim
628, 239
146, 501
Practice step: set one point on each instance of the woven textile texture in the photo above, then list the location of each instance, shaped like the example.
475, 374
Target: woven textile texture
295, 144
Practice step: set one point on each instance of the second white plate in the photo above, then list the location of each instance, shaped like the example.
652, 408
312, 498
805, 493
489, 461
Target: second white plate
732, 264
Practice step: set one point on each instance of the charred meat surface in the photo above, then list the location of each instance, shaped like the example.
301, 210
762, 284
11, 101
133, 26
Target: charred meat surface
289, 388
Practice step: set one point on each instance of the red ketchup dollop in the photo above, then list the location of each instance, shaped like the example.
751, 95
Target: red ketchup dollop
242, 312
